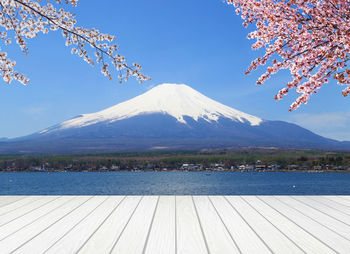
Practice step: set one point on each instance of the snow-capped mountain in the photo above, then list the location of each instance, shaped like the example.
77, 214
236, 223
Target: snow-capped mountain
169, 116
175, 100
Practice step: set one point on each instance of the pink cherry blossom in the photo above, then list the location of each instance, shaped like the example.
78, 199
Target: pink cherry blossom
311, 38
21, 20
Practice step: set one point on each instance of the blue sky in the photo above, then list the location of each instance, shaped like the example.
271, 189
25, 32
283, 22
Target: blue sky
200, 43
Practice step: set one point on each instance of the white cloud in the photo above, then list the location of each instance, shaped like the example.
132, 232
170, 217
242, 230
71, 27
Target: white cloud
334, 125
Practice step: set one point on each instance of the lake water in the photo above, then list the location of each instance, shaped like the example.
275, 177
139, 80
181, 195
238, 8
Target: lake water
175, 183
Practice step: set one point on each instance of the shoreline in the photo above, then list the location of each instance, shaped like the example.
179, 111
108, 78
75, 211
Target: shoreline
178, 171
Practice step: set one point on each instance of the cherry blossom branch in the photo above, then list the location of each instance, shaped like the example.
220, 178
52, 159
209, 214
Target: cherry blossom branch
35, 18
67, 30
310, 38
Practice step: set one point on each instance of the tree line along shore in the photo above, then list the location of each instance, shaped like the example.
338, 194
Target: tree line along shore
205, 160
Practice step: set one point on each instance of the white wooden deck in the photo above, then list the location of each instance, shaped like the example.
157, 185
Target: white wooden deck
174, 224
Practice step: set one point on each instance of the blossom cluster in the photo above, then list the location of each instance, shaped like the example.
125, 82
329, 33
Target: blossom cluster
311, 38
21, 20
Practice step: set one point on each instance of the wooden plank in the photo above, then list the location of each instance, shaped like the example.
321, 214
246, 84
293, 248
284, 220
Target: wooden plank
14, 226
169, 224
75, 238
347, 197
218, 237
339, 200
331, 204
264, 228
137, 228
40, 235
328, 237
26, 209
18, 204
6, 200
162, 238
298, 235
238, 227
103, 239
190, 238
326, 206
320, 215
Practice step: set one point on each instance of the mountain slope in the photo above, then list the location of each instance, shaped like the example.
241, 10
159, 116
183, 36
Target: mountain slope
177, 101
169, 116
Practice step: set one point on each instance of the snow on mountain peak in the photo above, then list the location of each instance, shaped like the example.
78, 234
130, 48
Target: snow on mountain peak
177, 100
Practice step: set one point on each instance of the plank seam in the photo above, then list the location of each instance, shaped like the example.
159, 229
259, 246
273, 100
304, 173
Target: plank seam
313, 219
346, 206
200, 225
50, 225
272, 224
222, 221
109, 215
115, 243
262, 240
26, 225
31, 201
297, 225
76, 224
320, 211
29, 212
13, 202
150, 227
336, 209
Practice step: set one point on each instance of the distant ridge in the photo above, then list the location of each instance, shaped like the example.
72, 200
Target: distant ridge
169, 116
